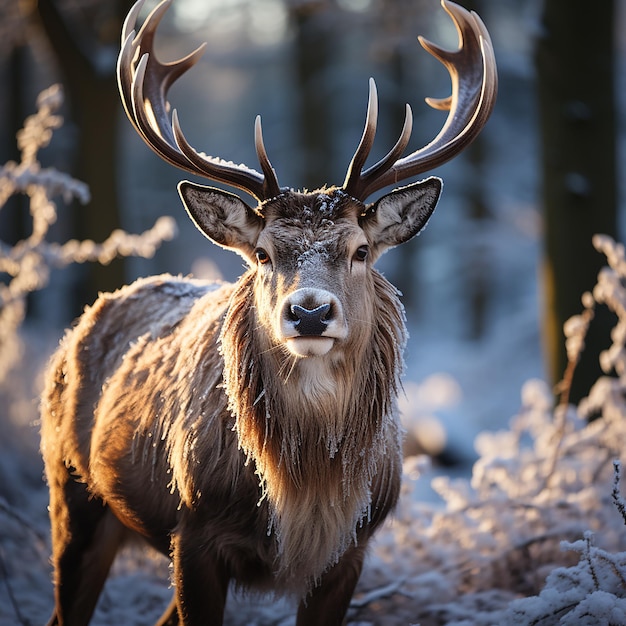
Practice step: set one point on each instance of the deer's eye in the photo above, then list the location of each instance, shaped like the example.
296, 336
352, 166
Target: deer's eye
361, 253
261, 256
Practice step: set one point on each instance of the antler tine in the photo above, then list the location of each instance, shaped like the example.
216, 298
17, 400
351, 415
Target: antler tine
131, 20
271, 188
140, 73
144, 82
354, 177
472, 70
367, 139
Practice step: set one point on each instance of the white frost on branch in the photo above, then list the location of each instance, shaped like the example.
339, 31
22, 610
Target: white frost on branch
28, 263
591, 592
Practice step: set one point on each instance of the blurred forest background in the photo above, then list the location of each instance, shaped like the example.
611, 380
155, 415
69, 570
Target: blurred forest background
506, 257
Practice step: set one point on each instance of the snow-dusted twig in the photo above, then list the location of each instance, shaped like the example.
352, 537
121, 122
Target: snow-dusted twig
575, 331
618, 500
588, 538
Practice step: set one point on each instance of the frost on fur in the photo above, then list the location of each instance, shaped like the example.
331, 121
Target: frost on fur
28, 263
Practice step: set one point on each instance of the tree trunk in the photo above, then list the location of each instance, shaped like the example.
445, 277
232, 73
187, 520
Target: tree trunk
94, 103
577, 122
313, 56
97, 166
14, 213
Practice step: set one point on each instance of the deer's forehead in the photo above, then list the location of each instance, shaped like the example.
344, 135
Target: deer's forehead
294, 238
314, 208
304, 224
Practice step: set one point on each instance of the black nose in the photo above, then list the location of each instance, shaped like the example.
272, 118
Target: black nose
310, 322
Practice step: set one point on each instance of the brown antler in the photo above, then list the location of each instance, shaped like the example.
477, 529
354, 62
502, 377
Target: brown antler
474, 79
144, 82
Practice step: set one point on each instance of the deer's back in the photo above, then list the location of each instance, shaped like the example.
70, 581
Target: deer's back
115, 366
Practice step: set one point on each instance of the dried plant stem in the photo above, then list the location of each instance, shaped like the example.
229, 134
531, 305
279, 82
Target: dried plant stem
575, 348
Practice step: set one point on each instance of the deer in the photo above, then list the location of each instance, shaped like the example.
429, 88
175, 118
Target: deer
248, 431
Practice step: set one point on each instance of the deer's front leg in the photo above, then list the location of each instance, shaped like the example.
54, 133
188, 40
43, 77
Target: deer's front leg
201, 582
328, 602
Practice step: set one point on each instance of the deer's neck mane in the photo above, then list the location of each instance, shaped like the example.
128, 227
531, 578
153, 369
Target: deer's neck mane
318, 431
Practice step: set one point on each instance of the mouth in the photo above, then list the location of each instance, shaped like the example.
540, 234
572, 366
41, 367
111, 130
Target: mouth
309, 346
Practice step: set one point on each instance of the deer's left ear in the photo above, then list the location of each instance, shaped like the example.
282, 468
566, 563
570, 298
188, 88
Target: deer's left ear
401, 214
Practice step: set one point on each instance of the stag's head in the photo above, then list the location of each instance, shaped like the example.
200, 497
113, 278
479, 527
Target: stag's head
311, 253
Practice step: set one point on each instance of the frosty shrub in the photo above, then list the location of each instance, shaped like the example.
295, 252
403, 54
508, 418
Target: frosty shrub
535, 536
591, 592
27, 264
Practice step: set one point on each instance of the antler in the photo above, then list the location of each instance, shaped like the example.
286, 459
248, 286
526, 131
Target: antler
474, 79
144, 82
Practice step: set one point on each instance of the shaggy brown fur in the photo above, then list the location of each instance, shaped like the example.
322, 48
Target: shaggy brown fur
173, 410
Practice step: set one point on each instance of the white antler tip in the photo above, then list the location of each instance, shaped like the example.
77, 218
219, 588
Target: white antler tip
131, 20
258, 131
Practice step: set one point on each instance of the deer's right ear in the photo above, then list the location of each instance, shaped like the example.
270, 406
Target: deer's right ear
223, 217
